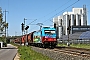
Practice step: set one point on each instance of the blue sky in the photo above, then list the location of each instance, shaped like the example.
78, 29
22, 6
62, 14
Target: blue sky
42, 10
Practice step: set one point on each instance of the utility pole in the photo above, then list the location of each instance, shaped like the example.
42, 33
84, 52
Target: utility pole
24, 25
1, 30
26, 43
26, 28
69, 28
5, 23
7, 31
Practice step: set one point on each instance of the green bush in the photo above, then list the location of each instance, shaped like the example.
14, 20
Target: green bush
4, 44
2, 39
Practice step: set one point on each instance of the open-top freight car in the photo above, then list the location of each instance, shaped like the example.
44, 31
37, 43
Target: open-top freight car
46, 37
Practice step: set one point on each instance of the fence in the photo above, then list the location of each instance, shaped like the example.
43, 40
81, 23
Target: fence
77, 41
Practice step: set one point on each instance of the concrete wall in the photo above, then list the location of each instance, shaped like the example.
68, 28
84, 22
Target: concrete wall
1, 44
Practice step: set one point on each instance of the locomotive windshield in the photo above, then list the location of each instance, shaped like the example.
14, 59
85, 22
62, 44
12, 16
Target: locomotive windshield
49, 31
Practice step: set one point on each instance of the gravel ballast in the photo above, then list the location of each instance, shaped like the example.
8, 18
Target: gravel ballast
59, 55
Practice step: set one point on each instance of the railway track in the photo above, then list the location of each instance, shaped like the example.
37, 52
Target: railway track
73, 51
63, 53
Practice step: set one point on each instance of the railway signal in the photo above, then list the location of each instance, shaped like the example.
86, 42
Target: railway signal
22, 27
69, 28
26, 27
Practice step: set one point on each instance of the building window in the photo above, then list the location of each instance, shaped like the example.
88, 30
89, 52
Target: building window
69, 22
80, 22
75, 22
61, 22
81, 11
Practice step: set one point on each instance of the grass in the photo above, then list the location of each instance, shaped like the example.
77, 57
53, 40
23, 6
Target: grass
86, 46
60, 44
26, 53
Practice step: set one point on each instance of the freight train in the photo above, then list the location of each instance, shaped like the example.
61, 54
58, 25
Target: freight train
46, 37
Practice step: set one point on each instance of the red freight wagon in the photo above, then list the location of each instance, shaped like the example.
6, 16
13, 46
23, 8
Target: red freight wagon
23, 39
30, 38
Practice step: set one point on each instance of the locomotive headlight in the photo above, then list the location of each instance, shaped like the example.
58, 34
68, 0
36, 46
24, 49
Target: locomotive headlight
54, 39
46, 37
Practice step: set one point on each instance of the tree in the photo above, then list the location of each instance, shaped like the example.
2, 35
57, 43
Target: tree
3, 25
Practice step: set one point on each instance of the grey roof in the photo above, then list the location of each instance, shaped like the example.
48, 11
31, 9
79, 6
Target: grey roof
77, 35
72, 36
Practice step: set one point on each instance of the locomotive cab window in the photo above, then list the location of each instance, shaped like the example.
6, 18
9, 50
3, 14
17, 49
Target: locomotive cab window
53, 32
49, 31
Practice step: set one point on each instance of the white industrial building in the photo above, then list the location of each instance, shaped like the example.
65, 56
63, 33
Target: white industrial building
78, 17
